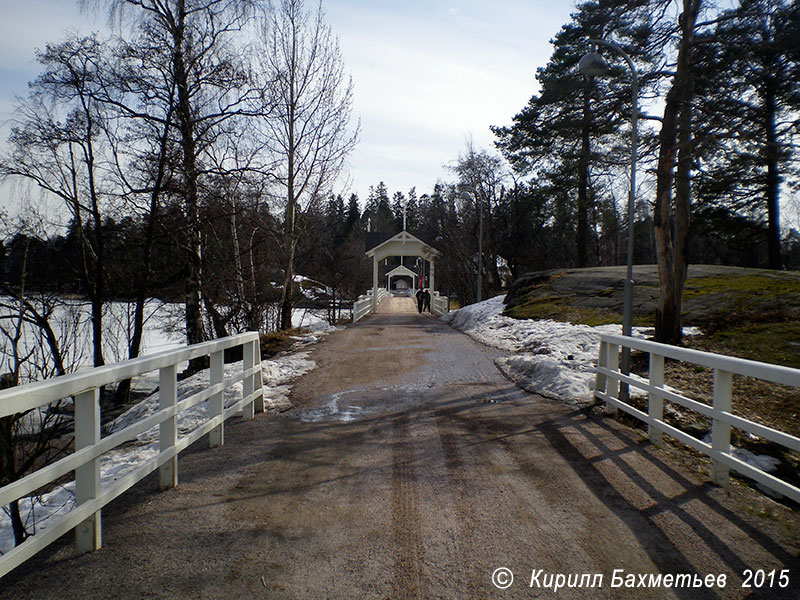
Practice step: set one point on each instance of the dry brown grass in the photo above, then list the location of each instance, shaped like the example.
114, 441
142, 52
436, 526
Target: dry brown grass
768, 404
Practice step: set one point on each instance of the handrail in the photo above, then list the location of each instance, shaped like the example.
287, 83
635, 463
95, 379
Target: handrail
363, 306
720, 411
439, 304
25, 397
84, 387
751, 368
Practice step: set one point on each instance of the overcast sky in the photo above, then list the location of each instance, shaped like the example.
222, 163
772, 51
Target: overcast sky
428, 74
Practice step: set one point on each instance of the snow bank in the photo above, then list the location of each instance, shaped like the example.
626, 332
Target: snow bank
315, 320
550, 358
551, 378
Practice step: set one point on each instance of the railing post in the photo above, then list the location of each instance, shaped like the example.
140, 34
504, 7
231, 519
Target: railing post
721, 431
655, 403
613, 365
88, 534
602, 362
168, 429
216, 404
247, 385
258, 380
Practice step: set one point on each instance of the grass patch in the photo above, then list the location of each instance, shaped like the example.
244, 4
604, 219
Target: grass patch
777, 343
559, 308
732, 305
772, 285
556, 308
277, 341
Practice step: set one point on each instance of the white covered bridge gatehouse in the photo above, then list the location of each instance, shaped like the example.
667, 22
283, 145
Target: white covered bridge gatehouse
401, 279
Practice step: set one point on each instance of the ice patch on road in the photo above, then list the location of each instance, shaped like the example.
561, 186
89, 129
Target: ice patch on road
332, 411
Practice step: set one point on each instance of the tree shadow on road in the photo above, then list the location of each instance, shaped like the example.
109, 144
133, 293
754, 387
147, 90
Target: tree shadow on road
652, 498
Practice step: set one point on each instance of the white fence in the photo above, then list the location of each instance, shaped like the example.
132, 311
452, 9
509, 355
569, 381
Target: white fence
84, 387
439, 304
363, 306
722, 459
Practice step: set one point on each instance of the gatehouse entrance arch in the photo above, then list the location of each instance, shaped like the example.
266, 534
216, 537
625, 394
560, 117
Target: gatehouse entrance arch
403, 279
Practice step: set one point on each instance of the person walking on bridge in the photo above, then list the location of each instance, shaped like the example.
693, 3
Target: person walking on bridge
426, 300
420, 299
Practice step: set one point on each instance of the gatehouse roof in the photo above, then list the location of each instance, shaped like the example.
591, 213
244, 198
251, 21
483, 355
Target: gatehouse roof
401, 270
402, 243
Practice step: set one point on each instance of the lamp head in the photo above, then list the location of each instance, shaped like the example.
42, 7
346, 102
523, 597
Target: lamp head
592, 64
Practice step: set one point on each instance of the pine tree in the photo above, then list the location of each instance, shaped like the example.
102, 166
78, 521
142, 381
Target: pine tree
412, 210
353, 217
398, 208
558, 135
378, 209
747, 96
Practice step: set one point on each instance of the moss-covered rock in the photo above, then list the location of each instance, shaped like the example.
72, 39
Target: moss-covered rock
753, 313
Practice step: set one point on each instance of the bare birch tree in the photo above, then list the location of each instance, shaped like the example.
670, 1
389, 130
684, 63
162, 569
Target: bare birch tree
56, 145
307, 128
211, 84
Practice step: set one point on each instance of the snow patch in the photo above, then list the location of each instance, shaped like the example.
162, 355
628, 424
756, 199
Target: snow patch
763, 462
551, 358
548, 377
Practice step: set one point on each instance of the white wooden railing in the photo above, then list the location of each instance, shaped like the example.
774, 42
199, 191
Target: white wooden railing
722, 459
439, 304
83, 387
363, 306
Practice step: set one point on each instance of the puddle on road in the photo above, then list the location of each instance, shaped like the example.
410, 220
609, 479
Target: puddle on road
352, 405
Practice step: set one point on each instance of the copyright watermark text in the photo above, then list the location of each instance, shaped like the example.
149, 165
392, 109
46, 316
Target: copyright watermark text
503, 578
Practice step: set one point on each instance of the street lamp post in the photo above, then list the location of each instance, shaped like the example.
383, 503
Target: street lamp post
594, 64
472, 198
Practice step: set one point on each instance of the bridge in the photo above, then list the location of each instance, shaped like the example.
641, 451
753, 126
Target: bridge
408, 467
400, 280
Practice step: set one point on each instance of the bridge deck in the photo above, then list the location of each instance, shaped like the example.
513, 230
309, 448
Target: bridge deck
410, 468
393, 305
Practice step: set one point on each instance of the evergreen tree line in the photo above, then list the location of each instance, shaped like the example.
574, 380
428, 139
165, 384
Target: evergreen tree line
183, 182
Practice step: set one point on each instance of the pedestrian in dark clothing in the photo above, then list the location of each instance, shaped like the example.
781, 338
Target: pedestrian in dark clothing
420, 299
426, 301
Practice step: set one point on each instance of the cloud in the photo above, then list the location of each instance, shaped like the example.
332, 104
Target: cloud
438, 74
427, 73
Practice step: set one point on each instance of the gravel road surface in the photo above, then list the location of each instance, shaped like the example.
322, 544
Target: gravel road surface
409, 468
